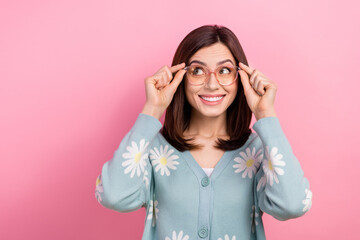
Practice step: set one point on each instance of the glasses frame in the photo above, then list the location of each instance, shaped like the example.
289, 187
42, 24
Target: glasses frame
208, 74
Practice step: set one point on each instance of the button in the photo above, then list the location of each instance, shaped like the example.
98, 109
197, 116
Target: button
205, 181
203, 232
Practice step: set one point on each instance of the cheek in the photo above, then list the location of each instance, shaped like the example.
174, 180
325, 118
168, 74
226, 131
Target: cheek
189, 94
236, 87
233, 92
190, 91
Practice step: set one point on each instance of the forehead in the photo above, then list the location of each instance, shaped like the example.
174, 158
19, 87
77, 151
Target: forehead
213, 54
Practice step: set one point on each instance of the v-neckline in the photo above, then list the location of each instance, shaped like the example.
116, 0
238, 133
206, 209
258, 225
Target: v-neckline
221, 164
199, 172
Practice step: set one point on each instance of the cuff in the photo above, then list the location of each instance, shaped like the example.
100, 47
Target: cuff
268, 127
147, 125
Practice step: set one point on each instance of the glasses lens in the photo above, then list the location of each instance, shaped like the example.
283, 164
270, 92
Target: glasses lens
226, 74
197, 74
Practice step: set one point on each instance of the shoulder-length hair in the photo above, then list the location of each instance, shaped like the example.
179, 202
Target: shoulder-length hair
238, 114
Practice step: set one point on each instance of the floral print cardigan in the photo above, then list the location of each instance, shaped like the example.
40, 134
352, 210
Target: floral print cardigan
182, 202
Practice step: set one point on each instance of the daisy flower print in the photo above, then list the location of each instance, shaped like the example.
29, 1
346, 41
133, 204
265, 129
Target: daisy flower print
163, 159
180, 236
146, 179
248, 163
261, 182
226, 237
272, 165
153, 210
99, 188
136, 156
254, 215
307, 201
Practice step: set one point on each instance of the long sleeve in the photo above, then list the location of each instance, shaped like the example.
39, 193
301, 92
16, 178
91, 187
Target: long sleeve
281, 188
125, 181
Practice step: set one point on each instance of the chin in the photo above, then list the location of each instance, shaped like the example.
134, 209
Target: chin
211, 113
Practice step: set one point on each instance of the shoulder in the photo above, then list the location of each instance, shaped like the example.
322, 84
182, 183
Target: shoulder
252, 145
254, 140
159, 141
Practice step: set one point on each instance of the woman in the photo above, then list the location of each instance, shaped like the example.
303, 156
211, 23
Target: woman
205, 174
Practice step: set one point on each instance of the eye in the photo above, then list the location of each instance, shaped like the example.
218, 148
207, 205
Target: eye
225, 70
197, 71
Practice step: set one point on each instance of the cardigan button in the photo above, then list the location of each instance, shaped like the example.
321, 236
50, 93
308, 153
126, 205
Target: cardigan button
205, 181
203, 232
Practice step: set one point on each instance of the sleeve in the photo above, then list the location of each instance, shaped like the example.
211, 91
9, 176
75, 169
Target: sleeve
125, 180
281, 189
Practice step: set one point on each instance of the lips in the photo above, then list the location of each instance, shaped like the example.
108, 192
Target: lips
212, 95
214, 99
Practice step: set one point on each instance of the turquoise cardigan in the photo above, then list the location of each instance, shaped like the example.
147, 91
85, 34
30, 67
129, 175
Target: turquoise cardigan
183, 203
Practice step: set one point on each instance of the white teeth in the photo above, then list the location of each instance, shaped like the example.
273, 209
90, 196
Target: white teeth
211, 99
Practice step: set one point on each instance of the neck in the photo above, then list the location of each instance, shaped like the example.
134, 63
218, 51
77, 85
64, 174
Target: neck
207, 127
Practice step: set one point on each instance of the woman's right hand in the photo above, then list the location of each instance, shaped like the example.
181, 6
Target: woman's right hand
160, 89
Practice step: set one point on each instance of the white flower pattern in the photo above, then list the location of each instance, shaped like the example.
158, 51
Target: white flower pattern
307, 201
99, 188
226, 237
153, 212
163, 159
178, 237
136, 156
272, 165
248, 163
254, 215
146, 179
261, 182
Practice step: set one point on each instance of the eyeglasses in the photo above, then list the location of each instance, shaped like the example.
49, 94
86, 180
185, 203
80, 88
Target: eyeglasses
198, 74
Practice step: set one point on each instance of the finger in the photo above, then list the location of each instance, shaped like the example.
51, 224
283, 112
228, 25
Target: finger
246, 68
168, 76
172, 69
245, 82
253, 76
261, 79
270, 88
156, 80
165, 77
255, 85
176, 81
160, 79
177, 67
261, 88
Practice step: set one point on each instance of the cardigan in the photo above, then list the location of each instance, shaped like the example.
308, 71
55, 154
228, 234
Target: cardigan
182, 202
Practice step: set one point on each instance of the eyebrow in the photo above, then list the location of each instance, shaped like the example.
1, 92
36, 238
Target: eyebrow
219, 63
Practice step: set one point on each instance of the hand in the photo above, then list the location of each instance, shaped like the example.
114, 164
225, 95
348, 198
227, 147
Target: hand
160, 89
259, 92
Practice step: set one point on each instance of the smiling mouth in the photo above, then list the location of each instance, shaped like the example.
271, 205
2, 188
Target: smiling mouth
212, 99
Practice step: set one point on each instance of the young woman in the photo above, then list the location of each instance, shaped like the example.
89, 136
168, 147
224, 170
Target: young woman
204, 174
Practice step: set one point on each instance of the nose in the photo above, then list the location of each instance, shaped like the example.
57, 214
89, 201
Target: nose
212, 82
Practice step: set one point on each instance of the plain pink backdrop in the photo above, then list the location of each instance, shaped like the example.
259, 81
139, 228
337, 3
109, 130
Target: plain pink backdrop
72, 84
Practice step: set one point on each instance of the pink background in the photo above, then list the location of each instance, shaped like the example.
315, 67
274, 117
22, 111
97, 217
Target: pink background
72, 84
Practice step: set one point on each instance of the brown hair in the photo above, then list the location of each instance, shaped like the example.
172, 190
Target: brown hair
238, 114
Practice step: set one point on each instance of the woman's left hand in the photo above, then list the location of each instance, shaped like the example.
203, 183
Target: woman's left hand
259, 92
